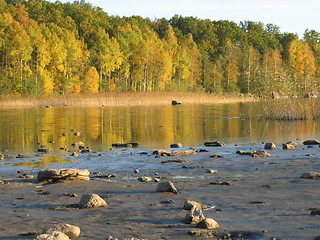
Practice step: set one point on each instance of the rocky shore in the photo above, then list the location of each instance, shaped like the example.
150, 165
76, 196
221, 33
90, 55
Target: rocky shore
261, 191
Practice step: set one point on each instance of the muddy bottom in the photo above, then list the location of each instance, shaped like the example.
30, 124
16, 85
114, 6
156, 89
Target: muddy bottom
265, 197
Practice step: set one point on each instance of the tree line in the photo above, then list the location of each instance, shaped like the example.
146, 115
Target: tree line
61, 48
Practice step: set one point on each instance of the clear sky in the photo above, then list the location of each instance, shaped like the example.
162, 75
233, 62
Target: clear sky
293, 16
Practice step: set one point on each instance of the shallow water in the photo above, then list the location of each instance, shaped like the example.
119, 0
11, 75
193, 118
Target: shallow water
23, 130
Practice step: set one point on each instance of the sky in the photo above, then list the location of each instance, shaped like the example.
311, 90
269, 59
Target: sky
294, 16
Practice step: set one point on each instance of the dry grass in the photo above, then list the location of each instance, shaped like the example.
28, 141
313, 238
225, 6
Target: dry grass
121, 99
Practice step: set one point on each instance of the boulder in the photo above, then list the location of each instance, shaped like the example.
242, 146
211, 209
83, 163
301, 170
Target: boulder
145, 179
63, 174
287, 146
176, 145
189, 204
208, 223
174, 153
293, 143
91, 200
194, 216
260, 153
52, 236
311, 175
167, 186
214, 144
270, 146
311, 142
69, 230
315, 212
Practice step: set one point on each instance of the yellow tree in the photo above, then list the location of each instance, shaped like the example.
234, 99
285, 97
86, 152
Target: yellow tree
231, 69
92, 80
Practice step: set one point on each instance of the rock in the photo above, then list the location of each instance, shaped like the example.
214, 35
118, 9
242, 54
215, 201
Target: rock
311, 142
174, 102
74, 154
275, 95
1, 157
52, 236
145, 179
310, 95
194, 216
78, 134
44, 149
293, 143
208, 223
69, 230
125, 145
78, 145
270, 146
175, 161
287, 146
136, 171
315, 211
91, 200
241, 152
216, 156
214, 144
167, 186
188, 205
203, 150
63, 174
260, 153
212, 171
176, 145
220, 183
174, 153
311, 175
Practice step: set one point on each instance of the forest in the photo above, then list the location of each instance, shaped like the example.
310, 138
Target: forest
67, 48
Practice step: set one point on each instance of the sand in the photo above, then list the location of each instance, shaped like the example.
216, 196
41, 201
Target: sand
266, 197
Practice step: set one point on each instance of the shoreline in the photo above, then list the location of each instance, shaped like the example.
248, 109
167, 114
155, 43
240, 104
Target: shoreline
266, 197
123, 99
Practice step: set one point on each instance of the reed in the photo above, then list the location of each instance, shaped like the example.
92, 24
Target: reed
291, 109
121, 99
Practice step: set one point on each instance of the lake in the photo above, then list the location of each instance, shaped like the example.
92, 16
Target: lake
23, 130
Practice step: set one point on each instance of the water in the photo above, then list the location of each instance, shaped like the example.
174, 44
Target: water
23, 130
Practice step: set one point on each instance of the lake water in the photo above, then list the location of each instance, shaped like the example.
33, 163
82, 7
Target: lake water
22, 130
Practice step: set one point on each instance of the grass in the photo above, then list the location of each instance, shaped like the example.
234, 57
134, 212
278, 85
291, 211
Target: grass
121, 99
291, 109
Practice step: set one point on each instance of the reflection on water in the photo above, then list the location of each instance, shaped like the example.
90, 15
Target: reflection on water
22, 130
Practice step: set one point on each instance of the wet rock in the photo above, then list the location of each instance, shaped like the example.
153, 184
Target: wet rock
78, 134
52, 236
293, 143
125, 145
270, 146
44, 149
63, 174
176, 145
64, 134
260, 153
175, 161
212, 171
1, 157
287, 146
220, 183
208, 223
214, 144
174, 153
136, 171
193, 167
203, 150
204, 233
145, 179
311, 142
241, 152
315, 211
78, 145
167, 186
74, 154
69, 230
174, 102
311, 175
189, 204
216, 156
194, 216
91, 200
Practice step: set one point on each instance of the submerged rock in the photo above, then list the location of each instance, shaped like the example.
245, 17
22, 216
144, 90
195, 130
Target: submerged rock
91, 200
52, 236
164, 153
176, 145
260, 153
311, 142
125, 145
166, 187
311, 175
270, 146
241, 152
44, 149
174, 102
287, 146
69, 230
63, 174
315, 211
214, 144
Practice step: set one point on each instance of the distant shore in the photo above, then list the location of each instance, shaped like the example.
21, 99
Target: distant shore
123, 99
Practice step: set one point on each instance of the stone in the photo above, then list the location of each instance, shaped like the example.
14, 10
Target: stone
241, 152
167, 186
145, 179
287, 146
212, 171
69, 230
189, 204
74, 154
78, 145
1, 157
214, 144
91, 200
204, 233
311, 142
176, 145
174, 153
311, 175
208, 223
174, 102
194, 216
125, 145
270, 146
175, 161
315, 211
260, 153
63, 174
293, 143
44, 149
52, 236
216, 156
78, 134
